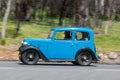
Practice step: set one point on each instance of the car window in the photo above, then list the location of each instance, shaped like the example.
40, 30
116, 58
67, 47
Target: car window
63, 35
82, 36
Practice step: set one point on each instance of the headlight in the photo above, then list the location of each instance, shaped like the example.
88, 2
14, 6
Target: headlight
24, 43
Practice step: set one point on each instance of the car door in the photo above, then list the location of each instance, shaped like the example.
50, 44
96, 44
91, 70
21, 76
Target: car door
82, 40
61, 48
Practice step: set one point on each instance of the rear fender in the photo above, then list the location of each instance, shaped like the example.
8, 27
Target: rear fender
94, 57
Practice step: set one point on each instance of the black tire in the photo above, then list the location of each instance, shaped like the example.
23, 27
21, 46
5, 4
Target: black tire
29, 57
75, 63
84, 58
20, 58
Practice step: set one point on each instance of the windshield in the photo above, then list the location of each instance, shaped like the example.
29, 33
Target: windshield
50, 34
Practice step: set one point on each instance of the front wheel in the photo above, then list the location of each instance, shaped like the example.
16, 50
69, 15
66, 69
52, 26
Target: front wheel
84, 58
30, 57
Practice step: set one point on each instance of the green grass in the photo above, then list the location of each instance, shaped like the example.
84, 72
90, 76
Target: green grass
28, 29
109, 42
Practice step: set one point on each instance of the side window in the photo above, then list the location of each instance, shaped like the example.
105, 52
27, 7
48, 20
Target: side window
82, 36
59, 36
63, 35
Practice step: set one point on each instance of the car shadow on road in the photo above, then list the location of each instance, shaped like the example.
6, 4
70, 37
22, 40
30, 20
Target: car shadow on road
57, 64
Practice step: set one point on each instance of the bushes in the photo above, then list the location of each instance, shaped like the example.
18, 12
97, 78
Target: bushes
3, 41
117, 17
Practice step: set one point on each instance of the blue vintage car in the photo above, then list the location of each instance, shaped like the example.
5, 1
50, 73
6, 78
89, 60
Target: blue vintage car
73, 44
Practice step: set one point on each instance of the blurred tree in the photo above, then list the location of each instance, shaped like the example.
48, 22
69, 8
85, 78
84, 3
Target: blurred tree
77, 10
81, 13
0, 4
23, 10
5, 19
62, 12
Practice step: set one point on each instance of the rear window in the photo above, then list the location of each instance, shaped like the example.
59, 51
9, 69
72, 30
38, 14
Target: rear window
82, 36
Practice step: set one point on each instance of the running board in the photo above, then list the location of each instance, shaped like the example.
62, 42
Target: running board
60, 60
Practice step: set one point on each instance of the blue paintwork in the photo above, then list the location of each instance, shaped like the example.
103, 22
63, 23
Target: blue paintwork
63, 49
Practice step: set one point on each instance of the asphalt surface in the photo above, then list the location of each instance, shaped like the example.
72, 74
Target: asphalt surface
15, 70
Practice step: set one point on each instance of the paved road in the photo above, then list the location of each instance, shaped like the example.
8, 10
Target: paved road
57, 71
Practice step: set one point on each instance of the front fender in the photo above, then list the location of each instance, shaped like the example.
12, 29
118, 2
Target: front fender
24, 48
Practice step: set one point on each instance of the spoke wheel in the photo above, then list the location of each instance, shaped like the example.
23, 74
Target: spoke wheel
30, 57
84, 59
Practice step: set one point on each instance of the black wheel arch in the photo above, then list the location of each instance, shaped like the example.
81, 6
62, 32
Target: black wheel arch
23, 49
88, 50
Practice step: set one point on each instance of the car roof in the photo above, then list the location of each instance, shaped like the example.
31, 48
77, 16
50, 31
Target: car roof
73, 29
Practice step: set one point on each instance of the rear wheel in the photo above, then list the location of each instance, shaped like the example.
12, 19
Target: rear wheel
84, 58
30, 57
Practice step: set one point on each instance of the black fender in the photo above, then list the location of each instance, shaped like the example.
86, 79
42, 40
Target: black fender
94, 57
24, 48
